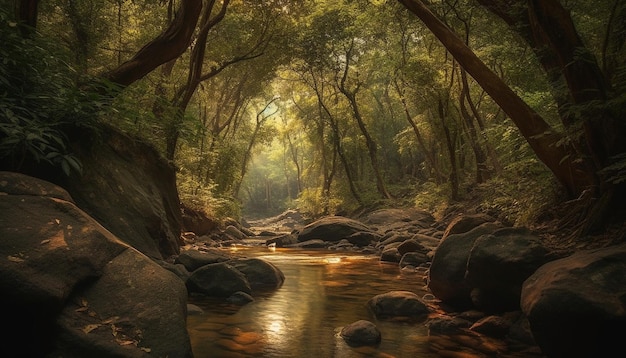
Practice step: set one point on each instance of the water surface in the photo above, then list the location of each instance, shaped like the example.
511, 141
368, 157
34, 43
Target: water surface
323, 291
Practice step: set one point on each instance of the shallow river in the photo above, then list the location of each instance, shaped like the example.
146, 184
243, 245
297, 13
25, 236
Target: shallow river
323, 291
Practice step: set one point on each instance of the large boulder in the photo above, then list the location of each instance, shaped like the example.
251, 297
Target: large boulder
129, 188
576, 306
499, 264
399, 219
66, 281
136, 309
446, 277
332, 229
464, 223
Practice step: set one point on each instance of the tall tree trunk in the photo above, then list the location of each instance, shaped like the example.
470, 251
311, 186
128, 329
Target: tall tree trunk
261, 118
482, 171
481, 124
564, 162
450, 145
26, 13
369, 141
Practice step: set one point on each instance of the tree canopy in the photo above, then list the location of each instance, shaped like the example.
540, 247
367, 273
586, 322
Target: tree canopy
335, 106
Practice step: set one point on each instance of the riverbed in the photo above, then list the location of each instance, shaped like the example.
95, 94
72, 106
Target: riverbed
323, 291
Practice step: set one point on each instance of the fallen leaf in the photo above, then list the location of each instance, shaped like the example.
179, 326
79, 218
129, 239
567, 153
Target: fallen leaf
111, 320
125, 343
147, 350
15, 259
90, 327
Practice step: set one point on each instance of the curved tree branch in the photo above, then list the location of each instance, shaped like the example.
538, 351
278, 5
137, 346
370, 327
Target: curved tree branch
170, 44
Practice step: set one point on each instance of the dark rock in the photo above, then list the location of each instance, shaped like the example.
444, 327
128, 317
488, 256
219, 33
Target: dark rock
413, 259
363, 238
197, 221
446, 278
397, 304
498, 265
391, 216
283, 240
576, 306
194, 259
234, 232
63, 272
240, 298
218, 280
395, 238
147, 308
260, 274
178, 269
361, 333
410, 245
390, 255
130, 189
447, 325
465, 223
493, 326
331, 228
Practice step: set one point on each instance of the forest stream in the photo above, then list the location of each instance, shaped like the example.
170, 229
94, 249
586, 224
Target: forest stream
323, 291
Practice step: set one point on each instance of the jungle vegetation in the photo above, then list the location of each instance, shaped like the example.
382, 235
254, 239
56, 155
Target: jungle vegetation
517, 106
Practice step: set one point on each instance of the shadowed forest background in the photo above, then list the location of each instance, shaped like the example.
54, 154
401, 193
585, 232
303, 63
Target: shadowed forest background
333, 106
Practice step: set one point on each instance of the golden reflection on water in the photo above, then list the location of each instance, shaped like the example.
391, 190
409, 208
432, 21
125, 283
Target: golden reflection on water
323, 291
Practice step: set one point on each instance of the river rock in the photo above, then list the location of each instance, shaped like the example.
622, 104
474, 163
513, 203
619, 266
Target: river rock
282, 240
361, 333
309, 244
218, 280
261, 274
397, 304
464, 223
499, 263
194, 259
414, 259
576, 305
66, 282
332, 229
364, 238
240, 298
400, 219
446, 278
411, 245
390, 255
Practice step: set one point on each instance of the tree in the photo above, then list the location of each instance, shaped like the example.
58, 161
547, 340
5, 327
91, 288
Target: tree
576, 172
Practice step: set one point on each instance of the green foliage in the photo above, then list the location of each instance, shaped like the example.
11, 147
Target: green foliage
39, 102
313, 203
432, 197
521, 194
204, 197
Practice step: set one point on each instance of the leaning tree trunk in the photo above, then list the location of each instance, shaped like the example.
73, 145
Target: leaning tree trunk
549, 30
564, 162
